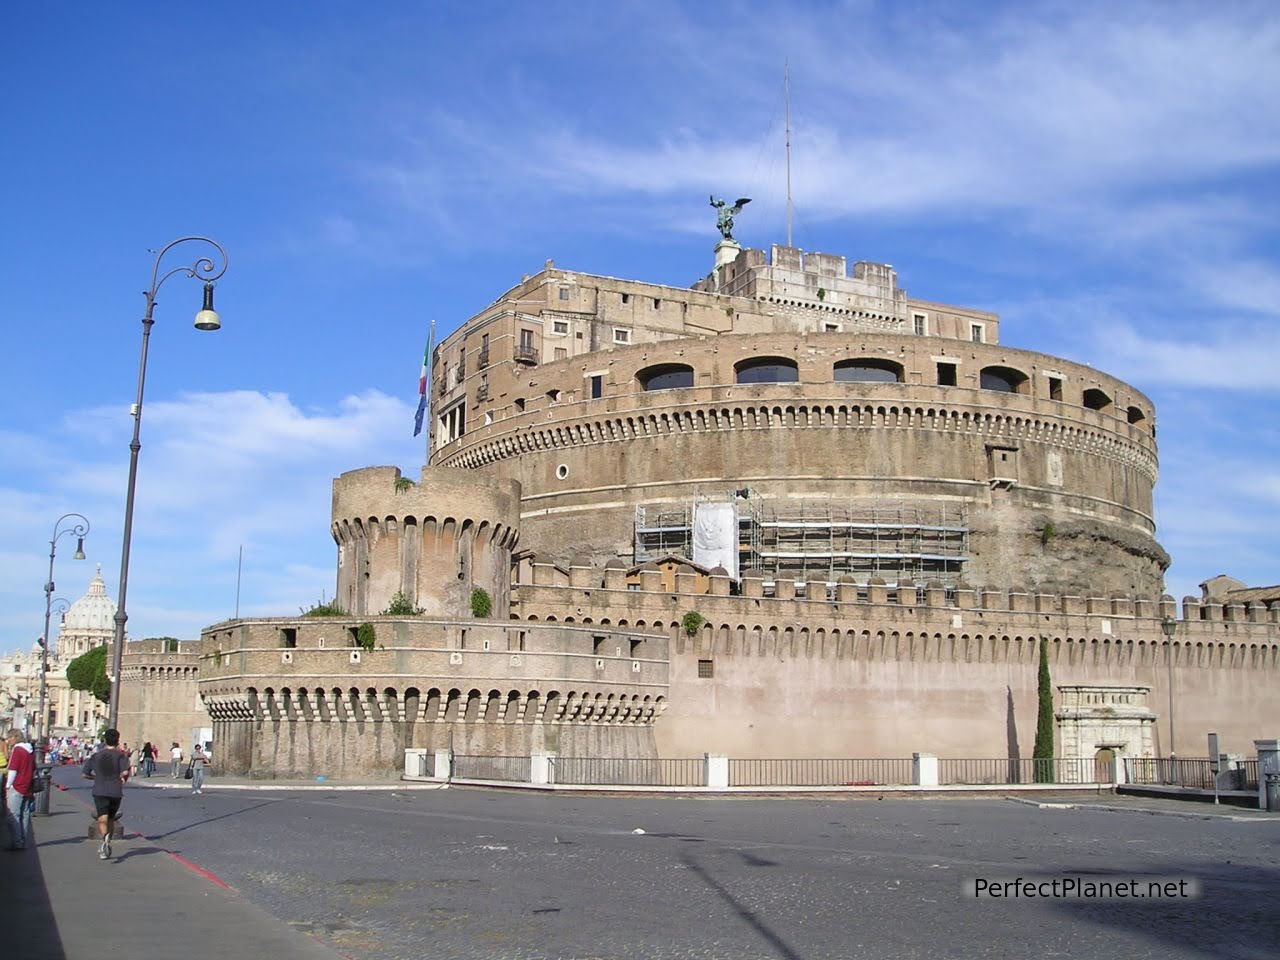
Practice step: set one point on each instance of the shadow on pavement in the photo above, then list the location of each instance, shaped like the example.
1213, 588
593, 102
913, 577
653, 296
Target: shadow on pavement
225, 816
748, 916
1233, 918
26, 898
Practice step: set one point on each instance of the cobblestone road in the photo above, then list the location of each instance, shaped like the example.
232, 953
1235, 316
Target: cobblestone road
479, 874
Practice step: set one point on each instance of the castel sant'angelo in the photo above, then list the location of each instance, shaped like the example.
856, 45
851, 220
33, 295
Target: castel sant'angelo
789, 511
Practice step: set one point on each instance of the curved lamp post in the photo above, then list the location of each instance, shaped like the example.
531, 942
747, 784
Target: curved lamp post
208, 269
79, 528
1169, 627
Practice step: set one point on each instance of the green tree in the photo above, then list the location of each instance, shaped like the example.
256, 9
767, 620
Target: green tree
692, 622
167, 644
1042, 753
401, 606
88, 672
481, 603
365, 636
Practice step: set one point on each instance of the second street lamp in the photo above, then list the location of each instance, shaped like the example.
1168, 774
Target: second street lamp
207, 269
79, 530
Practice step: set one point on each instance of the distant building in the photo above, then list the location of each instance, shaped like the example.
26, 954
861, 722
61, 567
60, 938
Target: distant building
88, 623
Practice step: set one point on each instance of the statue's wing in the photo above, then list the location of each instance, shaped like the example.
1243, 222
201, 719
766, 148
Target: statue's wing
742, 202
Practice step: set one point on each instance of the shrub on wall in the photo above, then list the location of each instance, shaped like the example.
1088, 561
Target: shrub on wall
365, 636
403, 484
692, 622
1042, 754
401, 606
481, 603
330, 609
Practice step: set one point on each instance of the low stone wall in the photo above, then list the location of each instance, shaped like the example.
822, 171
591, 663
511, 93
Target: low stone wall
768, 677
295, 698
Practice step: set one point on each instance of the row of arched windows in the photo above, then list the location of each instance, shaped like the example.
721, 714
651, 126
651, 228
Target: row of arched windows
1000, 379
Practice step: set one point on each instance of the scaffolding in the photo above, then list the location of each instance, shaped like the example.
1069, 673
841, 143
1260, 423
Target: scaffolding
819, 541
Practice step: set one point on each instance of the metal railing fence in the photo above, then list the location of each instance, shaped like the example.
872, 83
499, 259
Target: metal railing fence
1057, 770
1182, 772
1193, 772
469, 767
819, 772
625, 771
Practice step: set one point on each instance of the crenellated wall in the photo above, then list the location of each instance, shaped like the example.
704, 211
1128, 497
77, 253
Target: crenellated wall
900, 671
160, 696
435, 540
296, 697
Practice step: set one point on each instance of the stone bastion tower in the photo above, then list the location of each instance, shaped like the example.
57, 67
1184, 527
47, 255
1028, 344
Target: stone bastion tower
433, 541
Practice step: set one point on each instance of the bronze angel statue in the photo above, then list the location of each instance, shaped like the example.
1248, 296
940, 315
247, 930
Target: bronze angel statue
725, 215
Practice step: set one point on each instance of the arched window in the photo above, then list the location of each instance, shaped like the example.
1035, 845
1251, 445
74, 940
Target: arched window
1003, 380
665, 376
868, 370
1095, 399
1136, 415
766, 370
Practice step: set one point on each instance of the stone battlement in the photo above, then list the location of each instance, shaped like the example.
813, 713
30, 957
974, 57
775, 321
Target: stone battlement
1224, 634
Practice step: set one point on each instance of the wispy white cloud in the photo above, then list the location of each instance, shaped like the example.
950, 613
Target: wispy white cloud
217, 471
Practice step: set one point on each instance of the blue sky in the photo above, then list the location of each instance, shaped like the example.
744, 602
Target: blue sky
1104, 176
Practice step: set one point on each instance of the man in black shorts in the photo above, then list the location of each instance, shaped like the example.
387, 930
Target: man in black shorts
108, 769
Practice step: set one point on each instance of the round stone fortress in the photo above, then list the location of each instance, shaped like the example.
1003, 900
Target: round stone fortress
789, 511
853, 430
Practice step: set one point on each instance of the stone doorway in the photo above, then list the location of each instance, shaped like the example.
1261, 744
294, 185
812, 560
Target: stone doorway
1104, 765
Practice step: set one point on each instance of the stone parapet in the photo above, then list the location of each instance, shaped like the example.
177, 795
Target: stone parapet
311, 669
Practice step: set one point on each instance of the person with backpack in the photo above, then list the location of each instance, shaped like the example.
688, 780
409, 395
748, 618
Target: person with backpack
19, 794
109, 770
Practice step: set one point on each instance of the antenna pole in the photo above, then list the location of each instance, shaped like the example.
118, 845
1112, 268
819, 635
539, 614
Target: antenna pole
786, 85
239, 566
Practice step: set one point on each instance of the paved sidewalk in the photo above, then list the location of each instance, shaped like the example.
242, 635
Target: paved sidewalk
1157, 806
144, 903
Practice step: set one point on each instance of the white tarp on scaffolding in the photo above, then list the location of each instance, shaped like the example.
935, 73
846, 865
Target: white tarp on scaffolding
715, 536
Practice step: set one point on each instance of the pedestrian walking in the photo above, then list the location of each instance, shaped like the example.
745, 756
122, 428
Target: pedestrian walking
109, 771
148, 759
175, 760
198, 762
19, 792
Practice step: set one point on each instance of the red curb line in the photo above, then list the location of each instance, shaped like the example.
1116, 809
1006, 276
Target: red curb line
208, 875
195, 868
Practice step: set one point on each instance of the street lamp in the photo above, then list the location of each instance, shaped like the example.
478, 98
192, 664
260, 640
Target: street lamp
1170, 626
207, 269
78, 529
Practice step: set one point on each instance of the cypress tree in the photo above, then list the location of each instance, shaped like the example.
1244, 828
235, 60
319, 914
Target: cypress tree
1042, 754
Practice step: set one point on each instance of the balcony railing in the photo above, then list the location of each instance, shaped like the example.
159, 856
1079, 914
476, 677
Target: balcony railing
482, 392
526, 354
482, 358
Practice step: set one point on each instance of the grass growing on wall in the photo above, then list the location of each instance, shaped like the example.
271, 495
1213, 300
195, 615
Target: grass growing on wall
481, 603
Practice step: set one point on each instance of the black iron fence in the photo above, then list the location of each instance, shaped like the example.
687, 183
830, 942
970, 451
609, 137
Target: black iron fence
819, 773
1194, 772
467, 767
626, 771
984, 772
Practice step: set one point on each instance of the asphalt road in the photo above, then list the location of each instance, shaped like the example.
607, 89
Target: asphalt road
472, 873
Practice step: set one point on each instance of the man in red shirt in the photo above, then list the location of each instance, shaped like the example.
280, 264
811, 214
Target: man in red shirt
19, 797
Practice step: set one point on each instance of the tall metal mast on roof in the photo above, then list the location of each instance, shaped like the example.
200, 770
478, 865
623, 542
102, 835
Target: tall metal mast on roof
786, 84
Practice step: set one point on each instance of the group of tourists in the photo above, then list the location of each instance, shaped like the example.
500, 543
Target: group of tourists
108, 764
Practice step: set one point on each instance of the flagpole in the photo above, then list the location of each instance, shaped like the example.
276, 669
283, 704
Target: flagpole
431, 345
